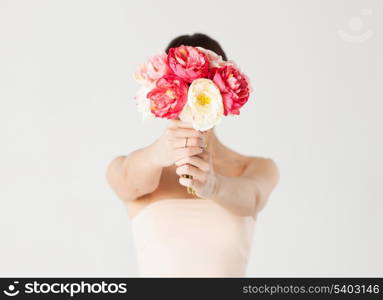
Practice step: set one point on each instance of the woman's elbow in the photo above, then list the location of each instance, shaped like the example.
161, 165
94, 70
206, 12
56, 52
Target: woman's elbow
120, 182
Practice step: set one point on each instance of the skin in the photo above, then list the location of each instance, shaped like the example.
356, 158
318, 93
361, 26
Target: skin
241, 184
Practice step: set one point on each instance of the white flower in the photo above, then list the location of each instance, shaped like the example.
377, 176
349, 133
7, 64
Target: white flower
143, 103
204, 108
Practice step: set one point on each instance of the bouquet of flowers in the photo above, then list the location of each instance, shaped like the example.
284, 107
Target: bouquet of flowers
192, 84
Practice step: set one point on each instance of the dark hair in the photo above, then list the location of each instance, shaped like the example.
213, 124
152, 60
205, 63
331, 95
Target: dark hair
197, 40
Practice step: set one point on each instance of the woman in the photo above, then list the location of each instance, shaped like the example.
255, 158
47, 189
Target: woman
205, 234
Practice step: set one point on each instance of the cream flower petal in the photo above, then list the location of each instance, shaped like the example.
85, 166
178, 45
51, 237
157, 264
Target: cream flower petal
143, 103
204, 108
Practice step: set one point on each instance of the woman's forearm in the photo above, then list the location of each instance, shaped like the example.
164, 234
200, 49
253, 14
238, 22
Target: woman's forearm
136, 174
139, 173
240, 195
142, 170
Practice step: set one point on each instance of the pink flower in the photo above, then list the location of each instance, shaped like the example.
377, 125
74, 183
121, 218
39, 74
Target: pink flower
215, 60
153, 69
188, 63
234, 87
169, 96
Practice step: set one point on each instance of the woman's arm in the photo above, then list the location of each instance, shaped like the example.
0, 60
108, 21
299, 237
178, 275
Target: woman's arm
245, 195
134, 175
139, 172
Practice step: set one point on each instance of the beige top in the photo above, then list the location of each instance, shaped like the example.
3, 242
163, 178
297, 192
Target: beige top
191, 238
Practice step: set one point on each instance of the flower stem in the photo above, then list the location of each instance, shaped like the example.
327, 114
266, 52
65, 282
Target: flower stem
189, 189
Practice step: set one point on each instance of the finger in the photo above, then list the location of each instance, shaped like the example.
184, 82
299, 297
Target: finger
179, 124
181, 153
196, 173
193, 184
188, 182
190, 142
194, 161
205, 155
186, 132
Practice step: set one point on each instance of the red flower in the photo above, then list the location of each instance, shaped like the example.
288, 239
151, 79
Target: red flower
234, 87
169, 96
188, 62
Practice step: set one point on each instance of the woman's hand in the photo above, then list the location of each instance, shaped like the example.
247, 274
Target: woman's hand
204, 180
170, 147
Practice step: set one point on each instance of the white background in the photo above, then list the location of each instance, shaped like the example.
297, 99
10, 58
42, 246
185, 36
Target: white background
66, 110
